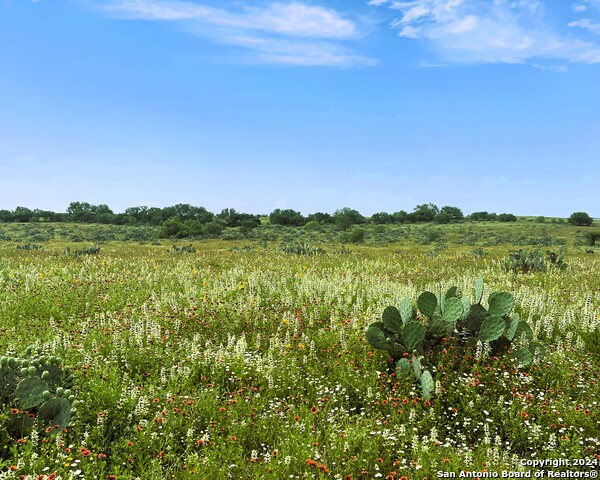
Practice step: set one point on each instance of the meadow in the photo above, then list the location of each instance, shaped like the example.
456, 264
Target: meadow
237, 358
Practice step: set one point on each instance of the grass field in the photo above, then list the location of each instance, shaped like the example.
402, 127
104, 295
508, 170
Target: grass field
240, 361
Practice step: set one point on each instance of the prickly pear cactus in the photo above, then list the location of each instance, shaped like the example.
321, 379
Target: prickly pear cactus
38, 388
401, 333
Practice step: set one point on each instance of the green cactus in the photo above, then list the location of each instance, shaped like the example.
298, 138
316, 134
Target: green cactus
500, 303
513, 323
403, 366
523, 330
30, 392
476, 317
406, 310
478, 289
523, 356
491, 329
392, 319
452, 292
33, 383
401, 332
56, 411
413, 335
427, 385
453, 309
427, 303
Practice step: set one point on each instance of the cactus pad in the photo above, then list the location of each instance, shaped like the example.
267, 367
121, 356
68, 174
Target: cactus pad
413, 335
56, 411
427, 385
427, 303
376, 337
452, 292
523, 329
403, 366
512, 326
478, 289
392, 319
406, 310
30, 392
453, 309
476, 317
500, 303
523, 357
491, 329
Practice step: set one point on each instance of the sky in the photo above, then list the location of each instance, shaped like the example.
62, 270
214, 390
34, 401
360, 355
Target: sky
313, 105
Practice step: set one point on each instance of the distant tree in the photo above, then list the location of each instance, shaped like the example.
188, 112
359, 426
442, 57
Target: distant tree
320, 217
400, 217
346, 217
233, 218
482, 217
213, 228
382, 218
172, 228
5, 216
507, 217
424, 213
22, 214
580, 219
449, 215
286, 217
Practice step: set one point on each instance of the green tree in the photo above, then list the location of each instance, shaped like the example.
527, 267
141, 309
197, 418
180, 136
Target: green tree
449, 215
345, 217
286, 217
424, 213
507, 217
381, 218
580, 219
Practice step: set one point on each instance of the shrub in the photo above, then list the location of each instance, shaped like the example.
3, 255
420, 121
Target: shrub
580, 219
345, 217
312, 226
507, 217
286, 217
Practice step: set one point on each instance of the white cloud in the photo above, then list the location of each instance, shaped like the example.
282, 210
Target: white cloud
587, 24
499, 31
293, 33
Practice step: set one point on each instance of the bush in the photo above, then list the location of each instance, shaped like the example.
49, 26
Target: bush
286, 217
507, 217
346, 217
580, 219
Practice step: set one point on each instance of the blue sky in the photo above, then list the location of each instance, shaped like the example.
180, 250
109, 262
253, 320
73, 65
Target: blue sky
313, 105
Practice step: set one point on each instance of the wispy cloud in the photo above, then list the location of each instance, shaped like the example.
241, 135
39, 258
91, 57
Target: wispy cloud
499, 31
292, 33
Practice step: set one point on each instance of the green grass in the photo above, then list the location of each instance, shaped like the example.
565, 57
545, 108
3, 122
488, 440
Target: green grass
251, 364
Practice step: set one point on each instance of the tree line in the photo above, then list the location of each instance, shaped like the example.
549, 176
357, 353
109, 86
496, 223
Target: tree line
184, 220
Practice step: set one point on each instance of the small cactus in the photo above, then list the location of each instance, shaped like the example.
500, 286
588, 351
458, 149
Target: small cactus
400, 332
39, 388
